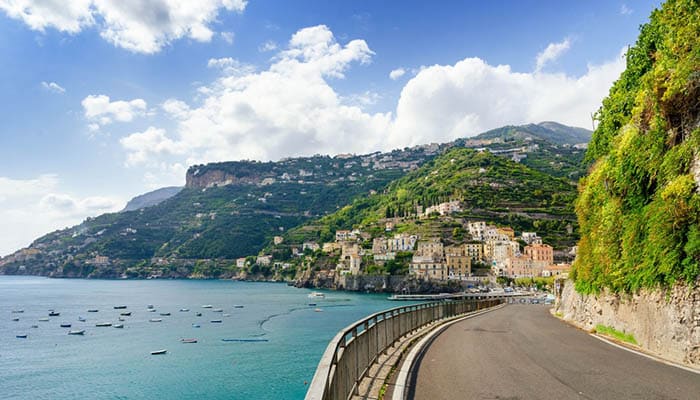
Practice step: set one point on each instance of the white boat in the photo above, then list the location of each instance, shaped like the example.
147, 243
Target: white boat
157, 352
317, 295
184, 309
77, 332
218, 310
188, 340
207, 306
103, 324
118, 326
43, 319
81, 319
155, 320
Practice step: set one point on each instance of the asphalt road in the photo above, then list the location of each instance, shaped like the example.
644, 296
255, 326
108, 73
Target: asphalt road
522, 352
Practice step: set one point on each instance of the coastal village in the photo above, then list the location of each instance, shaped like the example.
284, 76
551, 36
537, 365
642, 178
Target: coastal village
484, 253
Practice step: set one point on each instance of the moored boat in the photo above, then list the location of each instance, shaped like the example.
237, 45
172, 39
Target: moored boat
77, 332
15, 319
65, 325
118, 326
188, 340
155, 320
196, 326
34, 326
126, 314
184, 309
150, 306
199, 314
103, 324
93, 310
158, 352
207, 306
119, 307
238, 306
165, 314
43, 319
81, 319
22, 336
317, 295
218, 310
216, 321
151, 310
54, 314
17, 311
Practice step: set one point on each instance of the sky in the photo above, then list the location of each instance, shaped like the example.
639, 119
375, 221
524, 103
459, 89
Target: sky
102, 100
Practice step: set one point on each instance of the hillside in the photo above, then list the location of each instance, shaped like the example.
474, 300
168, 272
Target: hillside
553, 132
639, 209
233, 209
226, 210
492, 188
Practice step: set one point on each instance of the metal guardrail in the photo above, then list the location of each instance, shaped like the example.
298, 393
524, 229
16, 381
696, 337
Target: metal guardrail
353, 350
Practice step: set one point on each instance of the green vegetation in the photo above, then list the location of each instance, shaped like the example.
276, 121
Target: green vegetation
614, 333
639, 209
491, 187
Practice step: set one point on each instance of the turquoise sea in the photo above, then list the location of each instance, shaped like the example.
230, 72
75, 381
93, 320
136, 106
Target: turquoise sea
109, 363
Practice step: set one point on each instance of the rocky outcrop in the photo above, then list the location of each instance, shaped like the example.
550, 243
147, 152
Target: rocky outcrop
664, 322
196, 179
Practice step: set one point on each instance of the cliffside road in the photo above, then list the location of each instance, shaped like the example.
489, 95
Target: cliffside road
522, 352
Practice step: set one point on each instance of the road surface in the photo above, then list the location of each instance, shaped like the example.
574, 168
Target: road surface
522, 352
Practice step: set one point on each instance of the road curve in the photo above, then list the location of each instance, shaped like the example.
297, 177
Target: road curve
522, 352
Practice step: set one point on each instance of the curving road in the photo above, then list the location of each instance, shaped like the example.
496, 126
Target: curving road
522, 352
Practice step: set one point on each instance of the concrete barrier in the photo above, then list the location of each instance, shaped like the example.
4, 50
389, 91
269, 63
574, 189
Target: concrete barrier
354, 349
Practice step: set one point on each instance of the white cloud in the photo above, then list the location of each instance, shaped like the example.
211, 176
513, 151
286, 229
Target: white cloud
100, 110
53, 87
397, 73
291, 108
625, 10
230, 66
30, 208
143, 146
269, 45
138, 26
228, 37
551, 53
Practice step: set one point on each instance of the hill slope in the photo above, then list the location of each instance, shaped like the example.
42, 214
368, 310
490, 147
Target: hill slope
491, 187
151, 198
639, 209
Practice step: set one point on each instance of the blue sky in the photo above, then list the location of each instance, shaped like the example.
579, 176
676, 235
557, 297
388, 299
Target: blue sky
103, 100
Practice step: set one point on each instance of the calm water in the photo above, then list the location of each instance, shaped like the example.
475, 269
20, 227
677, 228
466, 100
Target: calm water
109, 363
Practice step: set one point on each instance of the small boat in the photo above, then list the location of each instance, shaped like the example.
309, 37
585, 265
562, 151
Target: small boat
54, 314
34, 326
77, 332
119, 307
150, 306
81, 319
103, 324
216, 321
118, 326
199, 314
126, 314
317, 295
244, 340
17, 311
218, 310
15, 319
317, 310
158, 352
226, 315
93, 310
152, 310
121, 318
65, 325
43, 319
312, 304
188, 340
196, 326
22, 336
238, 306
155, 320
207, 306
184, 309
165, 314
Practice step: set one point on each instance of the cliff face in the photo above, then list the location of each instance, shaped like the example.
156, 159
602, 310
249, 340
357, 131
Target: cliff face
665, 322
196, 179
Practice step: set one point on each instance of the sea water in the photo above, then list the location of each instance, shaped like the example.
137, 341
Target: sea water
109, 363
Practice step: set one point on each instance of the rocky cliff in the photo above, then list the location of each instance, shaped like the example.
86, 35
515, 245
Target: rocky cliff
664, 322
